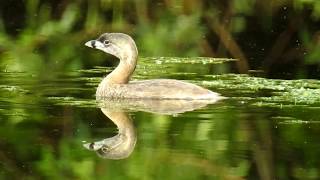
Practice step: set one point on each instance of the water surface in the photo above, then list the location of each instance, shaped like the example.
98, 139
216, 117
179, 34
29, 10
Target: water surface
266, 129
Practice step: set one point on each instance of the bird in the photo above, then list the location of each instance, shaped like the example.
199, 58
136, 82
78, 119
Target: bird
117, 84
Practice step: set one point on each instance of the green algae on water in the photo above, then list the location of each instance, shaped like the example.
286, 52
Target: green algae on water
185, 60
269, 92
72, 101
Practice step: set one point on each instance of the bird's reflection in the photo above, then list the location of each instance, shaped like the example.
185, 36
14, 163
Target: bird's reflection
121, 145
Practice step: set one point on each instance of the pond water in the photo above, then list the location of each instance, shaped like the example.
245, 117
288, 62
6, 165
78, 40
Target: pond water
266, 129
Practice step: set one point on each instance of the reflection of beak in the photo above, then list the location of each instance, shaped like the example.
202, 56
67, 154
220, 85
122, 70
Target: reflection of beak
94, 146
112, 142
94, 44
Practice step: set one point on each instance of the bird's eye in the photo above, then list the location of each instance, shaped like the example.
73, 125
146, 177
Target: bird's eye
106, 42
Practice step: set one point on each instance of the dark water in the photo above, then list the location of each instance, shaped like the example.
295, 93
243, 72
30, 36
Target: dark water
266, 129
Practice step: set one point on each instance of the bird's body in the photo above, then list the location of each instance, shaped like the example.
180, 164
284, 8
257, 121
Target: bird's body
155, 89
117, 85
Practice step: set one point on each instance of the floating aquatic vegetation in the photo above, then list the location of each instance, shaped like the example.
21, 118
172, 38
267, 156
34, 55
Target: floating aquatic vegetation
292, 120
71, 101
296, 96
13, 89
185, 60
91, 81
269, 92
96, 69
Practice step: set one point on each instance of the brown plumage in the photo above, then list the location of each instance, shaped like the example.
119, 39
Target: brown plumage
117, 85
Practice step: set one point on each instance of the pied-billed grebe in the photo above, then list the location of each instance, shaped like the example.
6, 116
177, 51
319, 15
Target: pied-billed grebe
117, 85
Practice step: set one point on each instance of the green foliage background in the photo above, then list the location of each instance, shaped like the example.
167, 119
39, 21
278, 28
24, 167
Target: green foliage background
269, 35
42, 47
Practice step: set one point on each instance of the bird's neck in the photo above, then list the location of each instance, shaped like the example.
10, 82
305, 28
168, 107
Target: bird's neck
123, 72
122, 121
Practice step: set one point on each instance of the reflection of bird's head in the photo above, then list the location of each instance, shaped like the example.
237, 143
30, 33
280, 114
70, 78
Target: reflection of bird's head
117, 147
117, 44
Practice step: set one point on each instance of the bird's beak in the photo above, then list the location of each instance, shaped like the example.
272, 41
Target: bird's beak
94, 44
99, 45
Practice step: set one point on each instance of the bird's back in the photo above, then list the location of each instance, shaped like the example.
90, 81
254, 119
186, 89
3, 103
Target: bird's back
156, 89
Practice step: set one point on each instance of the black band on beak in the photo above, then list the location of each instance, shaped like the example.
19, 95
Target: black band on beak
93, 44
91, 145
